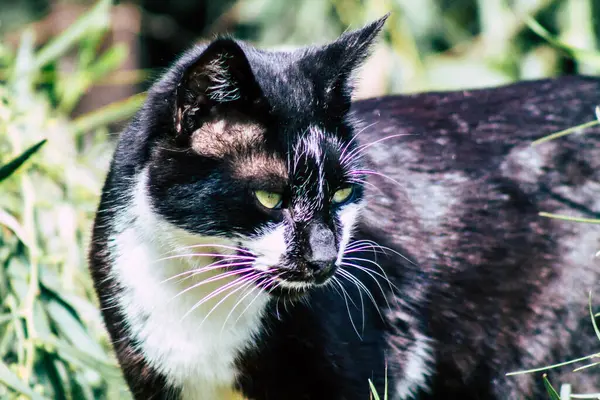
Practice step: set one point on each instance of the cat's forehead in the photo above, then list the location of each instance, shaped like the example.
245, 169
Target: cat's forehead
257, 153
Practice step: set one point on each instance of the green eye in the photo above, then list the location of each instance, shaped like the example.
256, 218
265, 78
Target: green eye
268, 199
342, 195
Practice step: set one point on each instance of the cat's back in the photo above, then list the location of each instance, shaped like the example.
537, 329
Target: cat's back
474, 130
457, 187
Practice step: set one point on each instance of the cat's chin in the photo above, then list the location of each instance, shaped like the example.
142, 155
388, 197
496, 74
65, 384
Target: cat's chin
295, 289
292, 292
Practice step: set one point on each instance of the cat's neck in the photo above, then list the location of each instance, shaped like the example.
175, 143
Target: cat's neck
190, 319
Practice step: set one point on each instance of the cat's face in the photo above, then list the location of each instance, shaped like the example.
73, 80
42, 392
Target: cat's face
256, 147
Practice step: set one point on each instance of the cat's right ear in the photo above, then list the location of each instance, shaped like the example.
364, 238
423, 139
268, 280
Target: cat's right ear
220, 78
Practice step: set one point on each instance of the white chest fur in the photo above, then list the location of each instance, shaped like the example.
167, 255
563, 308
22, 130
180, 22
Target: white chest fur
196, 349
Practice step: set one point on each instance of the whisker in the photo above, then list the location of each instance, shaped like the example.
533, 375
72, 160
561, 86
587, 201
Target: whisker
248, 283
362, 148
361, 246
385, 248
242, 299
201, 271
336, 281
206, 268
213, 279
344, 274
235, 282
361, 285
370, 172
370, 272
362, 249
190, 255
215, 245
357, 281
382, 275
271, 282
354, 137
365, 182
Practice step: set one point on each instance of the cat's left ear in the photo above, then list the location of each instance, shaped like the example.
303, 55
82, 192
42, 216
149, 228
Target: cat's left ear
339, 59
220, 78
353, 47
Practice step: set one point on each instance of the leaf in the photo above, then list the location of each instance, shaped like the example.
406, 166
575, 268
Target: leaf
586, 56
571, 219
22, 75
373, 390
71, 328
110, 60
77, 87
385, 394
594, 324
108, 371
97, 19
50, 362
8, 169
551, 391
11, 223
528, 371
8, 378
111, 113
565, 132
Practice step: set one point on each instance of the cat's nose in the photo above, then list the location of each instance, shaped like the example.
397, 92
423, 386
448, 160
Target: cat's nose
322, 270
322, 252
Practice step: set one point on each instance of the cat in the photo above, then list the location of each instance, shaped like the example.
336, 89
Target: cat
261, 235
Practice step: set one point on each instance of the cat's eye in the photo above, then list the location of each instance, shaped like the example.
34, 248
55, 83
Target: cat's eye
270, 200
342, 195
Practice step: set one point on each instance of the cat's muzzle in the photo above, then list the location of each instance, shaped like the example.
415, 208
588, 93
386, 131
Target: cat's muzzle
321, 271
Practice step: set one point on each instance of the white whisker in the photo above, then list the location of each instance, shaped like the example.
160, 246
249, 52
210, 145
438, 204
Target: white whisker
344, 274
215, 278
214, 293
340, 285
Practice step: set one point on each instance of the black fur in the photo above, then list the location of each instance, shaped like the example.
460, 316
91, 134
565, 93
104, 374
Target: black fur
474, 267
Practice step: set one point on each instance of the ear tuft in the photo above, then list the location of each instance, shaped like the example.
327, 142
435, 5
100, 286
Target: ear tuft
221, 76
358, 43
222, 87
335, 63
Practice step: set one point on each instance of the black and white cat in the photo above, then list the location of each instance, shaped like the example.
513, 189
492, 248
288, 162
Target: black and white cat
259, 234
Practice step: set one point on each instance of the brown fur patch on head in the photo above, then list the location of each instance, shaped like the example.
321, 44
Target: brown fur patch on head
258, 165
225, 135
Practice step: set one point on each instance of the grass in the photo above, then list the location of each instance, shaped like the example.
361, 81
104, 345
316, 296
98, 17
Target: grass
52, 341
52, 164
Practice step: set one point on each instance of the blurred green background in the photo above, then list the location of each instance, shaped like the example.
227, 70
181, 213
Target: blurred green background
72, 72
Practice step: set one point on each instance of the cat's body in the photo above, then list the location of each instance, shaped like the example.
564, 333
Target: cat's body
479, 284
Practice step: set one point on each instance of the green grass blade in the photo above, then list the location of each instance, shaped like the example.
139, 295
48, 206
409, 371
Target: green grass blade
8, 169
385, 394
373, 390
65, 351
97, 19
11, 223
49, 362
594, 324
74, 330
586, 366
565, 132
528, 371
13, 382
587, 56
109, 114
551, 391
571, 219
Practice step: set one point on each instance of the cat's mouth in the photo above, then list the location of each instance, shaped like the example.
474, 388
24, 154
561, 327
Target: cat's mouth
283, 282
289, 278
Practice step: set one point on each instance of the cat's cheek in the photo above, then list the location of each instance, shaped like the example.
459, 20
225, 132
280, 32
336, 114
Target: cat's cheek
348, 216
269, 246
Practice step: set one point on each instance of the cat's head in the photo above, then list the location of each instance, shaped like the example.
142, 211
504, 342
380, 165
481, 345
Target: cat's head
256, 147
